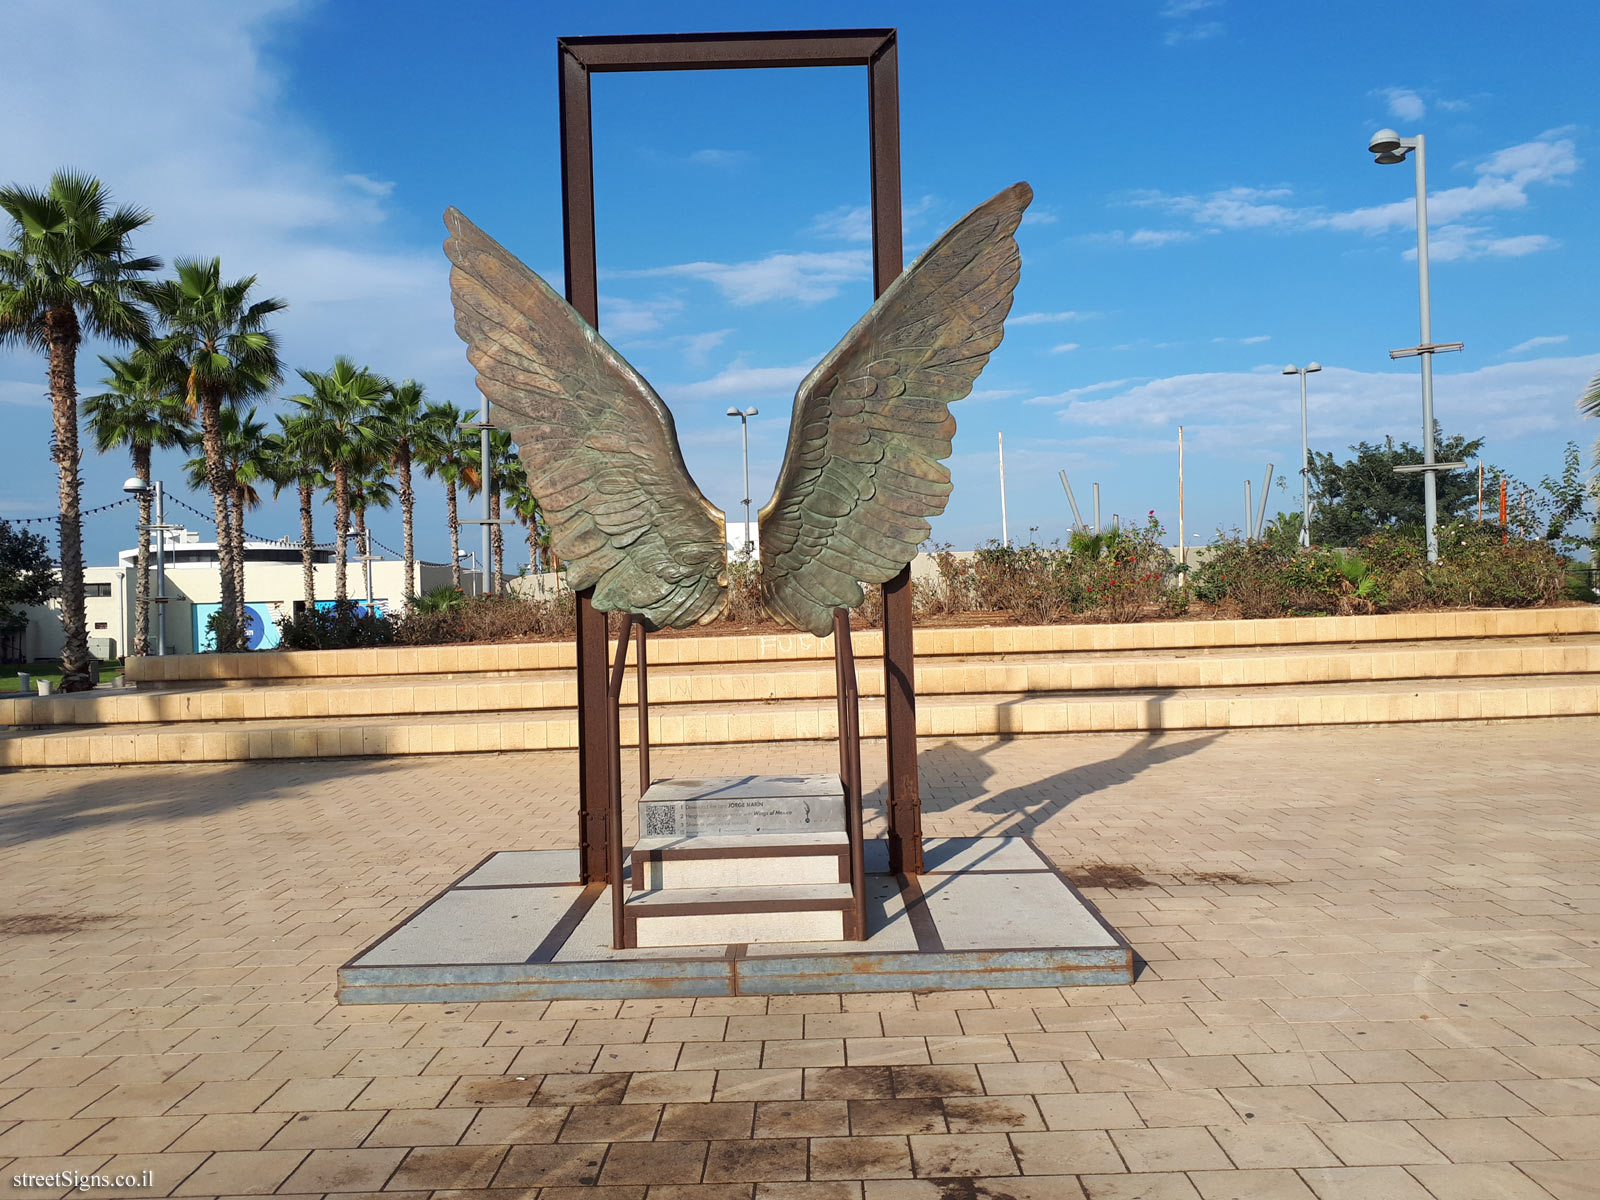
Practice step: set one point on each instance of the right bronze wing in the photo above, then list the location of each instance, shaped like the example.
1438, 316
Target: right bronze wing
599, 445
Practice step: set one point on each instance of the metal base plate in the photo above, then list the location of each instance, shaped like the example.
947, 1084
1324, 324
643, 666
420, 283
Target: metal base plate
989, 912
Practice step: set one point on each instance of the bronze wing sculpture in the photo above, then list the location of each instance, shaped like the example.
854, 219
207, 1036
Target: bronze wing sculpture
863, 471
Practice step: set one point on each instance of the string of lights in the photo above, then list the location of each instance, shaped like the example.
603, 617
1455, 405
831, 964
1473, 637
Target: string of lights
56, 520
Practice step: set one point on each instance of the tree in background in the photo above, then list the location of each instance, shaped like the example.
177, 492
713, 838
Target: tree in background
294, 445
369, 488
217, 347
1573, 502
1364, 494
342, 435
27, 576
444, 456
405, 413
69, 271
143, 412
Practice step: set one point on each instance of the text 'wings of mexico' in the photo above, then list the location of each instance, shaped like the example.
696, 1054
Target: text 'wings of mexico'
863, 471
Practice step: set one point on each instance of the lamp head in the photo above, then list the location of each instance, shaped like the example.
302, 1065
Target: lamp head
1291, 369
134, 485
1311, 368
734, 412
752, 411
1388, 159
1384, 143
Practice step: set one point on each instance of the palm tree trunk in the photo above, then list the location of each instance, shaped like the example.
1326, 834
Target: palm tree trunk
307, 544
497, 544
533, 546
141, 585
407, 498
359, 521
63, 336
238, 546
455, 538
217, 479
341, 520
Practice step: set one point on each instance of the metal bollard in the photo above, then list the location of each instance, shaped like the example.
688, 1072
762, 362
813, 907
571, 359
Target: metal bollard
23, 680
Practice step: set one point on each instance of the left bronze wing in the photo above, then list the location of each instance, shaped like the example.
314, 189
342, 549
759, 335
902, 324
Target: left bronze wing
872, 422
599, 445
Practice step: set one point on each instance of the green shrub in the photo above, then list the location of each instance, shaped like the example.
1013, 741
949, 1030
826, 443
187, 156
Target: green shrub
339, 626
1476, 568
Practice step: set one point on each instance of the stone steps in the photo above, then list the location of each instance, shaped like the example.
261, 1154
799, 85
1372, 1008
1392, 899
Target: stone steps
540, 690
979, 714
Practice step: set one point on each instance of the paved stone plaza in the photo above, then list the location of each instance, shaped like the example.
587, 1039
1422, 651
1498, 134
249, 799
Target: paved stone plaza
1371, 968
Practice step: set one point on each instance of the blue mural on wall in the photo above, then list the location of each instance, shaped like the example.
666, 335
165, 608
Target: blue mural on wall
261, 628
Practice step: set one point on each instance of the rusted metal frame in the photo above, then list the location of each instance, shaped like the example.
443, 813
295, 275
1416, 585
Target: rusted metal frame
850, 736
729, 51
577, 219
641, 674
693, 853
614, 844
899, 658
877, 50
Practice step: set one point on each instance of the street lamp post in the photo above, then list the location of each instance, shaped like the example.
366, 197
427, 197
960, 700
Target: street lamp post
137, 487
744, 415
1305, 451
1388, 148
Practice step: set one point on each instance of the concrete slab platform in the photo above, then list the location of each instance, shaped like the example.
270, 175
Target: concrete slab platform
990, 912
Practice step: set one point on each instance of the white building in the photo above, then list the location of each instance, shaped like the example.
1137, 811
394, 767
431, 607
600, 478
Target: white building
274, 588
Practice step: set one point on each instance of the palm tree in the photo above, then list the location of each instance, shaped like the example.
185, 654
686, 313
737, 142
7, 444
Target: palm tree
245, 457
404, 413
444, 456
70, 271
297, 464
218, 347
369, 488
1589, 406
525, 506
341, 435
142, 412
504, 464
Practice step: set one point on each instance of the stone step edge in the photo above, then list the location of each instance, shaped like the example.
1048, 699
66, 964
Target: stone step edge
26, 712
929, 640
1106, 716
730, 899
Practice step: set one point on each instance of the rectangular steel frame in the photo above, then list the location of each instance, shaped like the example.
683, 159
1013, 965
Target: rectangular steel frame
576, 59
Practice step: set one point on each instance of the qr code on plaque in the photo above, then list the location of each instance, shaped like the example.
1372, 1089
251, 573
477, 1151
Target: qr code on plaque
660, 820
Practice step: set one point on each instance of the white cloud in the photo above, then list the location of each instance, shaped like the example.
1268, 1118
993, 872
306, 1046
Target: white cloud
1064, 348
226, 173
1256, 410
847, 223
621, 318
1071, 394
1404, 104
1502, 184
1150, 239
381, 188
1534, 343
807, 277
697, 346
1049, 318
853, 222
983, 394
1039, 216
26, 393
718, 158
743, 382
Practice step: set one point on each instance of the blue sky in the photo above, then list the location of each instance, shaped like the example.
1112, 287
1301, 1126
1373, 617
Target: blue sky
1205, 212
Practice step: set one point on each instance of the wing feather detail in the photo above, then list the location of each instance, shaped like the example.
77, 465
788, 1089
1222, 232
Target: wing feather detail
863, 472
600, 447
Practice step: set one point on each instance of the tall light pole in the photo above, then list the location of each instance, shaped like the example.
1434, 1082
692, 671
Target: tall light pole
744, 415
138, 487
1388, 147
1305, 451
